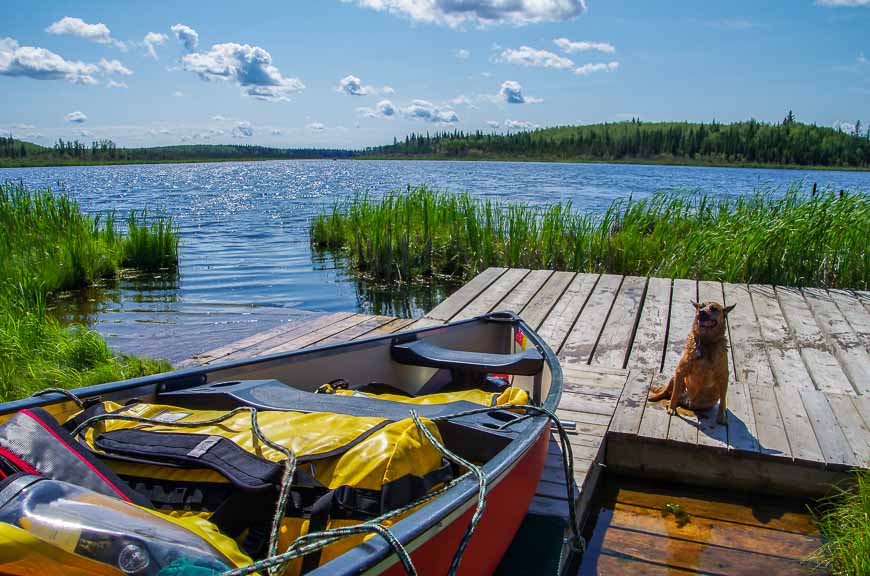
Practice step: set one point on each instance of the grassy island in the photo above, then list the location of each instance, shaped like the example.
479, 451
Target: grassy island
794, 238
48, 245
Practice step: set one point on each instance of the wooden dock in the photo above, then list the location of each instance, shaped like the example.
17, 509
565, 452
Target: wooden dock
798, 401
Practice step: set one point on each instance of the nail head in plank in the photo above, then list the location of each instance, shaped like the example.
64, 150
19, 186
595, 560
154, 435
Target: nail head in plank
613, 345
468, 292
581, 340
649, 339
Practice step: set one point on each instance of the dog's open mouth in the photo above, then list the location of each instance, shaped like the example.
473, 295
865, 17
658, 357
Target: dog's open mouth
707, 323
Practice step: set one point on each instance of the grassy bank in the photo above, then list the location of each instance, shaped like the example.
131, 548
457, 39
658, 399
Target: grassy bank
844, 521
789, 239
49, 245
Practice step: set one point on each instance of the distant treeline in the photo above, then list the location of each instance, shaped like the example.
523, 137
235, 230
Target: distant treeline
13, 151
786, 143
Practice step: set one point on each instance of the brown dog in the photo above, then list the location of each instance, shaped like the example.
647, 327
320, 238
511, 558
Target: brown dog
701, 377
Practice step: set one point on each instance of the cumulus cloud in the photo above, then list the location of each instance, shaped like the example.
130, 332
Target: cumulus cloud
186, 35
512, 93
455, 13
519, 125
387, 89
493, 123
462, 100
463, 54
76, 117
429, 112
98, 32
352, 86
843, 3
152, 40
383, 109
316, 127
527, 56
248, 66
42, 64
587, 69
570, 46
243, 130
114, 84
114, 67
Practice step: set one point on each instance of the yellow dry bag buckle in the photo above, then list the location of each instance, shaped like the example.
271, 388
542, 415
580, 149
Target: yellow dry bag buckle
333, 386
68, 524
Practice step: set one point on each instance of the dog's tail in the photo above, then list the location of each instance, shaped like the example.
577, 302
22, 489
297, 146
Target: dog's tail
663, 392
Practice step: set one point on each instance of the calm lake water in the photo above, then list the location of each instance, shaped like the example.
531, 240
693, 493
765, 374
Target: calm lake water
246, 264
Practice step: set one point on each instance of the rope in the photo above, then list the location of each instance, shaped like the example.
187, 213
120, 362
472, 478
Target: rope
481, 491
63, 391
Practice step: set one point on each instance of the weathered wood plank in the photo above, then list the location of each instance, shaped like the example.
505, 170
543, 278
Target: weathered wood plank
802, 439
629, 410
395, 325
536, 311
684, 424
518, 298
358, 331
823, 368
423, 323
614, 344
753, 368
655, 419
459, 299
862, 405
650, 336
710, 432
587, 403
311, 338
854, 428
838, 453
487, 299
846, 345
607, 564
583, 336
561, 318
855, 314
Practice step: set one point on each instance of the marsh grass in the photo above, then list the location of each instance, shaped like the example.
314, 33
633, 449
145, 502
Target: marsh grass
48, 244
793, 238
844, 521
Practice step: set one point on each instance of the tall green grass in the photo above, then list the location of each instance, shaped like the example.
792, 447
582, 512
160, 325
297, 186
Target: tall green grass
48, 244
789, 239
844, 521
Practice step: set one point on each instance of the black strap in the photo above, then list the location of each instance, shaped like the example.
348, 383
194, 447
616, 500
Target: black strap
245, 470
320, 514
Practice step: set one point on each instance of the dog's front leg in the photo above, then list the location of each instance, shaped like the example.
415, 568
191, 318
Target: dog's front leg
677, 382
723, 392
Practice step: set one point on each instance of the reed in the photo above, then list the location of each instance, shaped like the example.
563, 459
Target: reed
844, 521
792, 238
48, 244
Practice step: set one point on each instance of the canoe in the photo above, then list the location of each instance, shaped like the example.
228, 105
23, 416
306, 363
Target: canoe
417, 364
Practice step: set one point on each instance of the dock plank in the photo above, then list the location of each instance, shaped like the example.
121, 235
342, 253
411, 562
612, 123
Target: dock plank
824, 369
855, 314
312, 338
753, 368
614, 344
629, 411
358, 331
650, 336
846, 345
684, 424
486, 300
655, 420
468, 292
395, 325
838, 453
536, 311
581, 340
740, 417
854, 428
520, 296
562, 316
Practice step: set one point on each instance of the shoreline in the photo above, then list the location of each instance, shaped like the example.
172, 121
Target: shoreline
639, 162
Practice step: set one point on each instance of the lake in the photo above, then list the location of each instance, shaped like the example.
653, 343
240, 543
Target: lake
246, 263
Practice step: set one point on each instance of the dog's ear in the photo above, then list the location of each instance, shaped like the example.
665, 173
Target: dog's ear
728, 309
696, 305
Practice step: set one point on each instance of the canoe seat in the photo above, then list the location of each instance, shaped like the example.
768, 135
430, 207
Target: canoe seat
423, 353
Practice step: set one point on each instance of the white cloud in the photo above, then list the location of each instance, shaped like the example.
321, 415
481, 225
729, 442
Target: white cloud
165, 131
86, 134
186, 35
527, 56
462, 100
846, 127
352, 86
512, 93
98, 32
243, 130
484, 12
218, 117
587, 69
429, 112
387, 89
42, 64
570, 46
152, 40
519, 125
842, 3
383, 109
248, 66
493, 123
114, 67
114, 84
76, 117
179, 94
463, 54
316, 127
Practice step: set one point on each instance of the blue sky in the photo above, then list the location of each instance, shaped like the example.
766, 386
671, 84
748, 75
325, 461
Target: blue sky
356, 73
